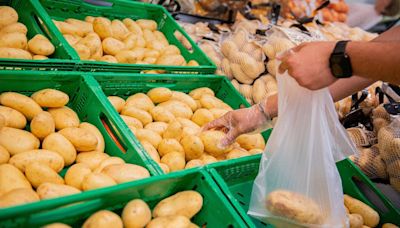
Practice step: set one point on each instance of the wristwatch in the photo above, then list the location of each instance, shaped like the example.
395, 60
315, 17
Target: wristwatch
339, 62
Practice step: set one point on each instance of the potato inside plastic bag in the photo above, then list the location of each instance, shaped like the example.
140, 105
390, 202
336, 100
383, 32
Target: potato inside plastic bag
298, 184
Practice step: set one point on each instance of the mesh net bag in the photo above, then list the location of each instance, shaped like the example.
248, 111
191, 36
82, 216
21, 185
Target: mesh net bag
371, 163
361, 137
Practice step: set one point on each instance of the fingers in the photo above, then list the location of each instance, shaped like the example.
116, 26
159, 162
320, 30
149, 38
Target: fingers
230, 137
219, 123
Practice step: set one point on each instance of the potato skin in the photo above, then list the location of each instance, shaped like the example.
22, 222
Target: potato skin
14, 53
185, 203
370, 216
97, 180
13, 118
50, 98
51, 190
136, 214
14, 40
93, 158
4, 155
17, 141
82, 139
38, 174
42, 125
64, 117
103, 219
125, 172
173, 221
40, 45
58, 143
93, 129
21, 103
76, 174
12, 178
17, 197
50, 158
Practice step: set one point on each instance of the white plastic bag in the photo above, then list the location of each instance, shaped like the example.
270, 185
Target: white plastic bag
298, 165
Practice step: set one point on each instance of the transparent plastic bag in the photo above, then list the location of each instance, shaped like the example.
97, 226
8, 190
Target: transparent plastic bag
298, 180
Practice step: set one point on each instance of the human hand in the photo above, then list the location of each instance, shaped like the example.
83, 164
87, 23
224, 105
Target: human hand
308, 64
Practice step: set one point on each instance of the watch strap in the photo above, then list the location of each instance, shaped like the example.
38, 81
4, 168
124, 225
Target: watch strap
340, 47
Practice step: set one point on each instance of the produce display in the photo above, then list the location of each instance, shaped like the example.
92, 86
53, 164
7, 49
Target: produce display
174, 211
14, 42
31, 161
168, 125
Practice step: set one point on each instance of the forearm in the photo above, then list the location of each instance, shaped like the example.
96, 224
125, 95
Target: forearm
345, 87
392, 34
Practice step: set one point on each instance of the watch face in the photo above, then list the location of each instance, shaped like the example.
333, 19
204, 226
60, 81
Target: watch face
337, 69
340, 66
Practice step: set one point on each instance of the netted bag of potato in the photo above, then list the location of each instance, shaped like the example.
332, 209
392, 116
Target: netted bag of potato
212, 51
371, 162
389, 146
380, 118
361, 137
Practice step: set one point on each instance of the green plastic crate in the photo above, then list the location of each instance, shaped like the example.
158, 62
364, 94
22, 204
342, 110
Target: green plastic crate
86, 100
60, 60
124, 85
236, 181
120, 9
216, 211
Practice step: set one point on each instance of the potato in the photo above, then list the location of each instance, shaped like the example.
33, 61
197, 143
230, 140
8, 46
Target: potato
184, 98
131, 41
164, 167
39, 57
51, 190
132, 26
356, 220
237, 153
2, 121
159, 95
102, 26
93, 42
173, 221
82, 50
119, 30
90, 19
148, 36
173, 131
4, 155
208, 159
171, 60
136, 214
112, 46
42, 125
185, 203
13, 118
84, 26
389, 225
170, 50
141, 101
93, 129
92, 159
154, 55
103, 219
57, 225
66, 28
58, 143
256, 151
151, 150
14, 53
15, 27
161, 37
209, 102
38, 174
194, 163
174, 160
14, 40
147, 24
158, 127
370, 217
126, 56
82, 139
76, 174
109, 59
72, 39
12, 178
178, 109
188, 123
202, 116
161, 114
21, 103
97, 180
132, 122
17, 197
40, 45
192, 63
137, 113
117, 102
193, 147
64, 117
107, 162
169, 145
125, 172
251, 141
212, 142
17, 141
218, 112
47, 157
148, 135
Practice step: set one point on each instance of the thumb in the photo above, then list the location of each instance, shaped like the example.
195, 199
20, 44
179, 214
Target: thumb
229, 138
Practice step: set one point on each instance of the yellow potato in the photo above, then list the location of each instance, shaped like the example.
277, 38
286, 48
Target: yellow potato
14, 53
185, 203
107, 162
84, 26
132, 26
171, 60
15, 27
184, 98
2, 121
168, 145
82, 139
93, 129
152, 54
64, 117
370, 217
251, 141
42, 125
89, 19
17, 197
109, 59
21, 103
158, 127
137, 113
193, 147
17, 141
58, 143
151, 150
103, 219
147, 24
117, 102
4, 155
82, 50
194, 163
12, 178
125, 172
174, 160
161, 37
47, 157
102, 26
57, 225
209, 102
93, 42
193, 63
132, 122
72, 39
177, 108
188, 123
51, 190
38, 174
97, 180
256, 151
148, 135
173, 221
212, 142
40, 45
237, 153
389, 225
159, 95
141, 101
164, 167
14, 40
39, 57
76, 174
356, 220
202, 116
161, 114
136, 213
119, 30
148, 36
173, 131
218, 112
67, 28
208, 159
112, 46
131, 41
12, 117
170, 50
126, 56
92, 159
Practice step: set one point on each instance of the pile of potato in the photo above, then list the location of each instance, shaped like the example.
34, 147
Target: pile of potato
14, 42
116, 41
173, 211
57, 139
168, 125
